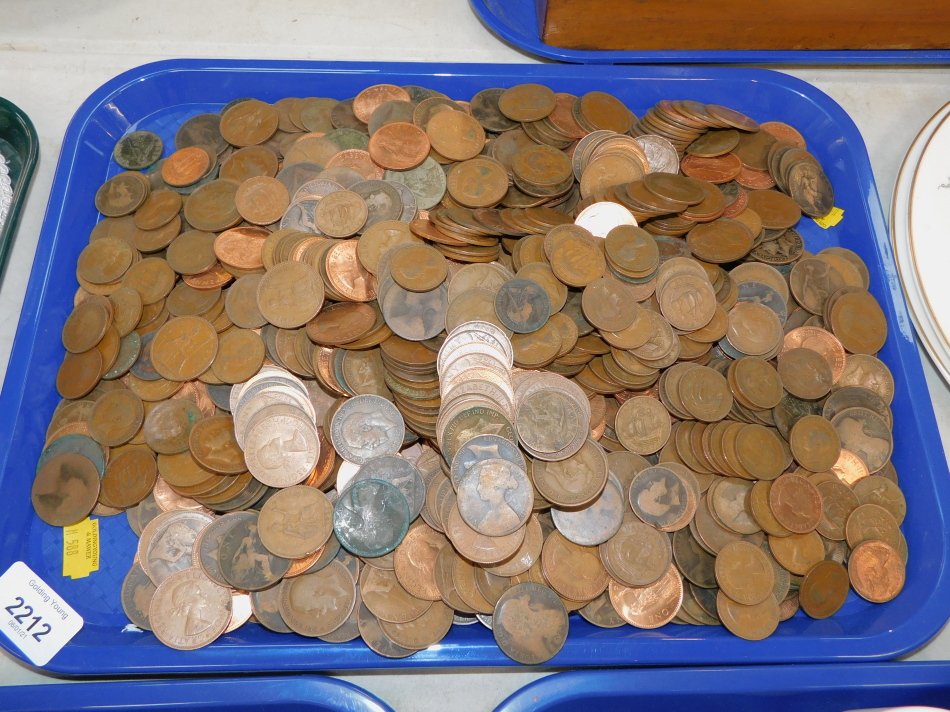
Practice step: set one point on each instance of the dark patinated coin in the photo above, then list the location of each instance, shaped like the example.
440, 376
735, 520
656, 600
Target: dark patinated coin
522, 305
245, 563
138, 150
371, 518
65, 489
137, 592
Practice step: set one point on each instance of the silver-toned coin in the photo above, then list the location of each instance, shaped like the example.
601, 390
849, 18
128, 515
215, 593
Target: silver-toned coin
382, 200
415, 316
137, 592
661, 154
658, 496
300, 216
205, 553
495, 497
316, 188
400, 473
365, 427
409, 208
427, 181
484, 447
597, 522
171, 547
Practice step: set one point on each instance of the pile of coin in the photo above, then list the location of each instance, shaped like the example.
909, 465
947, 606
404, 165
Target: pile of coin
374, 367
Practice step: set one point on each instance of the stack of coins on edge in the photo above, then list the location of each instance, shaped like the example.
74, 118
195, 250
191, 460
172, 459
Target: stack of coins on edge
376, 367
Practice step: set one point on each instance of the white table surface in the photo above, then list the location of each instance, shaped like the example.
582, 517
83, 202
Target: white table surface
53, 54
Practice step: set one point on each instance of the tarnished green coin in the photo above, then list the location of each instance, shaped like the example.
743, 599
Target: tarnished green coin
371, 518
138, 150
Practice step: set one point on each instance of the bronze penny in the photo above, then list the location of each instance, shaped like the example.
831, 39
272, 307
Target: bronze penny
574, 571
749, 622
129, 478
241, 247
718, 169
876, 571
814, 443
186, 166
455, 135
152, 278
122, 194
651, 606
837, 502
527, 102
65, 490
105, 261
290, 294
415, 562
371, 98
262, 200
189, 590
423, 632
184, 348
341, 214
871, 522
879, 490
797, 553
796, 503
824, 589
85, 326
399, 146
240, 355
744, 573
168, 425
249, 123
116, 417
387, 599
418, 268
859, 323
295, 522
805, 373
213, 445
530, 623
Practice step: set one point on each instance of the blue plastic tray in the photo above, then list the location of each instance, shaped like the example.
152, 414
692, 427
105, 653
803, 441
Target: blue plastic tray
160, 96
801, 688
250, 694
517, 22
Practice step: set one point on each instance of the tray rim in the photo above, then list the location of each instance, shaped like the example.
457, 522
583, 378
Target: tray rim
879, 646
530, 42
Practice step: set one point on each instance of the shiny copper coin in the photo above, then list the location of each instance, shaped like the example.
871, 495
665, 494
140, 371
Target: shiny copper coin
186, 166
651, 606
371, 98
399, 146
876, 571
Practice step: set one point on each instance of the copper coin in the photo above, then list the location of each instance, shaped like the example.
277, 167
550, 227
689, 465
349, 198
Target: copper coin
295, 522
530, 623
824, 589
814, 443
796, 503
86, 326
719, 169
399, 146
744, 573
65, 490
456, 135
262, 200
859, 322
371, 98
876, 571
805, 373
749, 622
116, 417
186, 166
341, 214
290, 294
651, 606
415, 562
527, 102
249, 123
213, 445
189, 610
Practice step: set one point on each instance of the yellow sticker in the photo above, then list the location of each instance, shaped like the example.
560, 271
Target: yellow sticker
831, 219
81, 548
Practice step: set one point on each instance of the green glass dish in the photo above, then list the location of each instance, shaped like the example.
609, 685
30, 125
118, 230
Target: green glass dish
21, 149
